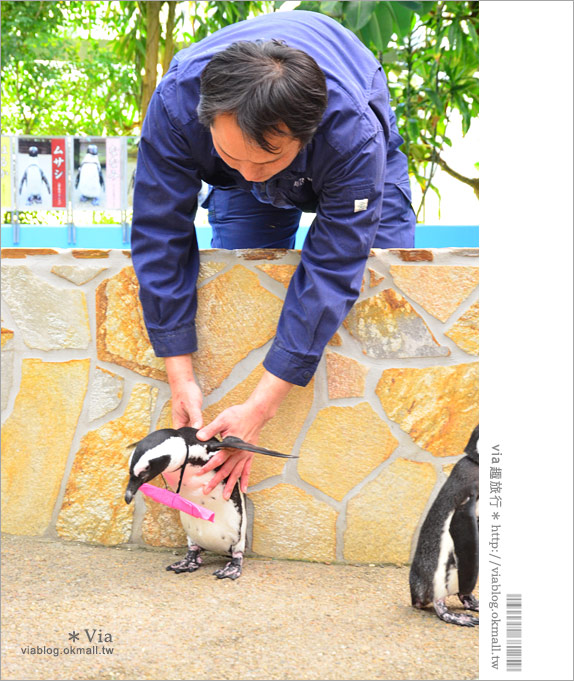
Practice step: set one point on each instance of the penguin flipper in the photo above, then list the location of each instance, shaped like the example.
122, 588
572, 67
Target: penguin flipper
464, 532
231, 442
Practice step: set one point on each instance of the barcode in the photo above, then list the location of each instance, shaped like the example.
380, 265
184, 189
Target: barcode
513, 632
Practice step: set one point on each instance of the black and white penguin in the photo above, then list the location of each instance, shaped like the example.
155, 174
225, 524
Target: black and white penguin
446, 559
90, 179
177, 455
33, 178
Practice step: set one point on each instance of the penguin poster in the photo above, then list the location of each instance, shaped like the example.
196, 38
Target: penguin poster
34, 173
89, 173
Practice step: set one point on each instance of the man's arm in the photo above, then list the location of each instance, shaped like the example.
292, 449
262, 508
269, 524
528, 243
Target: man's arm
328, 279
322, 290
164, 246
165, 253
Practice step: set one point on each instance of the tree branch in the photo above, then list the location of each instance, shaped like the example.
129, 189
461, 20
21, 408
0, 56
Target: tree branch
470, 181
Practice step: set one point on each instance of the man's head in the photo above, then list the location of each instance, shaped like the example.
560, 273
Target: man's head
263, 101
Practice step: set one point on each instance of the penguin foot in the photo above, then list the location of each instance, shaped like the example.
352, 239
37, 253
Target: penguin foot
232, 570
469, 601
190, 563
459, 618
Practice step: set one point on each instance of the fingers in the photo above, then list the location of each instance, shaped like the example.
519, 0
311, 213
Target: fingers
233, 466
210, 430
246, 473
232, 480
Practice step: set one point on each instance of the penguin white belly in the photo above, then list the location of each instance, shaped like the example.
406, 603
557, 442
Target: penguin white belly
89, 184
445, 581
33, 181
224, 532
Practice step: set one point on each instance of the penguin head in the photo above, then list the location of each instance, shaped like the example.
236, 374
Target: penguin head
471, 449
163, 450
92, 149
33, 152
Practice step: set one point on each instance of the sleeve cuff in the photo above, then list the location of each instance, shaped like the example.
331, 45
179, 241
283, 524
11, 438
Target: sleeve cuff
182, 341
289, 366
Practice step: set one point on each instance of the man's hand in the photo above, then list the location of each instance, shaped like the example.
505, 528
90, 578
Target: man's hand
246, 422
186, 397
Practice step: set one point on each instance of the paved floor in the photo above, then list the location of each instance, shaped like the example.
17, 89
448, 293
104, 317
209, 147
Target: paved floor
280, 620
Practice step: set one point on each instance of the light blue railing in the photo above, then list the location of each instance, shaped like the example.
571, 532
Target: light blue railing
117, 237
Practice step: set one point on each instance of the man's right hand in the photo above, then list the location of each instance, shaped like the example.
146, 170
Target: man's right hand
186, 397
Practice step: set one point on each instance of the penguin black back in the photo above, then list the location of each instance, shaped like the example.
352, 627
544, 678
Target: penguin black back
446, 557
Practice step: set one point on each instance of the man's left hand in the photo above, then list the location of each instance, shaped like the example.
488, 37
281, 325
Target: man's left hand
242, 421
246, 422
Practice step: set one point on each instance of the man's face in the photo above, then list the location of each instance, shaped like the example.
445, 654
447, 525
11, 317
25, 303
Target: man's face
245, 156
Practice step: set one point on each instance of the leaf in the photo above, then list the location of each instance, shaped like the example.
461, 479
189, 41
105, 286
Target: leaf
358, 14
384, 18
413, 6
331, 9
403, 18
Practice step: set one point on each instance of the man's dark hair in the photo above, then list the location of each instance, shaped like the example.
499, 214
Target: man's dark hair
264, 84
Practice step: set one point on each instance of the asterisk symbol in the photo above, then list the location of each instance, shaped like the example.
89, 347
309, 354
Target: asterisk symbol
73, 636
496, 515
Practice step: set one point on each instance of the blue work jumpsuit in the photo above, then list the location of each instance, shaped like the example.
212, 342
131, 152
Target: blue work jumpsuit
351, 174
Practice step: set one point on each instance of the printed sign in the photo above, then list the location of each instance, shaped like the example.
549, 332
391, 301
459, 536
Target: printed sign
34, 173
58, 173
89, 184
114, 148
6, 174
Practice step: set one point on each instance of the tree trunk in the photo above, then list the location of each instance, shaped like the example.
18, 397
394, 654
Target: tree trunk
169, 45
151, 54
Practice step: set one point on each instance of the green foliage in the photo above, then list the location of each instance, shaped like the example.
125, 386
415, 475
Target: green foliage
71, 67
430, 54
56, 83
76, 67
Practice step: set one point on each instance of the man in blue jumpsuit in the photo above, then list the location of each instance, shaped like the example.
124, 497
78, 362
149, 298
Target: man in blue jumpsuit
284, 113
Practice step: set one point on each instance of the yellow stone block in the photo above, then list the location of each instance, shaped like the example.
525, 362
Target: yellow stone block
6, 336
36, 441
345, 376
436, 406
208, 268
94, 509
161, 525
121, 334
465, 331
343, 445
383, 517
387, 325
235, 316
281, 273
439, 289
289, 523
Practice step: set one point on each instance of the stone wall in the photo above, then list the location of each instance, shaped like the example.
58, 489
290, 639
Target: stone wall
377, 430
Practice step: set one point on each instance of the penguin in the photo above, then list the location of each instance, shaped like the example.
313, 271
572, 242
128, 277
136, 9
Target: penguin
178, 455
33, 178
90, 179
446, 558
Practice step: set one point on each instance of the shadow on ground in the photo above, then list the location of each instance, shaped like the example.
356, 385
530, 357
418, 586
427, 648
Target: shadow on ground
280, 620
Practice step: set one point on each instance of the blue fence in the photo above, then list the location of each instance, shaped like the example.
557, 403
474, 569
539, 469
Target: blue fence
34, 236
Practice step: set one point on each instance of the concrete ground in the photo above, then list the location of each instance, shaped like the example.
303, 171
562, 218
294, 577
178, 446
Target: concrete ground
280, 620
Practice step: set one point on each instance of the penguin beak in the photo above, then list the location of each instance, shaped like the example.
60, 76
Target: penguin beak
133, 486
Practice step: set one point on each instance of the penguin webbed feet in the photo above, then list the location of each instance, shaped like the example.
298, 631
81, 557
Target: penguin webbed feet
469, 601
233, 569
460, 618
190, 563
